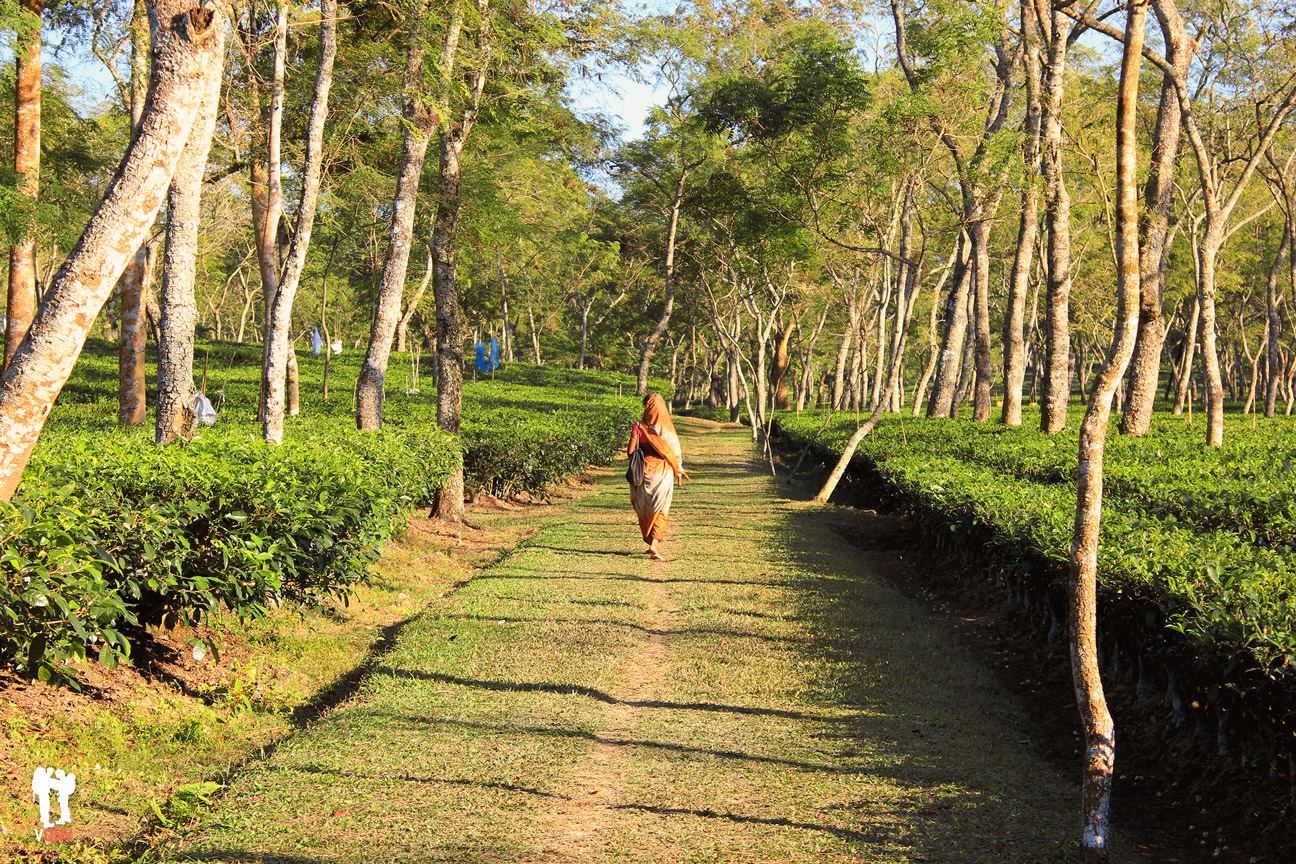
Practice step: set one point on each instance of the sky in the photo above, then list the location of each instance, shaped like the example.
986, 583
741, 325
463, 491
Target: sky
616, 95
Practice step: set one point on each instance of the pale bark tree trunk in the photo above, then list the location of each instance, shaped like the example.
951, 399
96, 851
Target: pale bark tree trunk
1158, 196
187, 46
672, 231
1057, 208
854, 308
980, 232
420, 122
933, 339
175, 419
807, 360
131, 383
1218, 206
134, 283
445, 288
1273, 317
848, 452
535, 335
267, 196
981, 197
907, 284
27, 144
1186, 361
584, 339
949, 360
279, 354
1100, 737
402, 329
782, 362
1014, 349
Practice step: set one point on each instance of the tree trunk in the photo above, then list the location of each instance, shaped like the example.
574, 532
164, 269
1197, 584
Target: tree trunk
134, 283
175, 418
535, 335
1273, 318
187, 46
131, 372
951, 347
672, 230
584, 340
933, 344
1100, 739
980, 232
267, 198
780, 366
1057, 208
420, 122
402, 329
27, 145
1014, 349
1158, 197
848, 452
1186, 361
450, 498
1214, 398
281, 360
845, 345
732, 391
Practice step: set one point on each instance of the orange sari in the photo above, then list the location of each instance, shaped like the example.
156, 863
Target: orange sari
663, 462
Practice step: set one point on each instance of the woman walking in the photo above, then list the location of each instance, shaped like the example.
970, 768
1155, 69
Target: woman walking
654, 439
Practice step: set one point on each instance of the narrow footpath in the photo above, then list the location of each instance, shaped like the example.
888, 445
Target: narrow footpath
764, 695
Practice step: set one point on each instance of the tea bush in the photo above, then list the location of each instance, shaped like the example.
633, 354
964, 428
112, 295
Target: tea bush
108, 531
1195, 557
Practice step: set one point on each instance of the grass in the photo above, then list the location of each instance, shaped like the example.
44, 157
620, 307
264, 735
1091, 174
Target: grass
765, 695
151, 736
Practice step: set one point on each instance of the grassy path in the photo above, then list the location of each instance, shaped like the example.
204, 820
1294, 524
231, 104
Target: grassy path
761, 696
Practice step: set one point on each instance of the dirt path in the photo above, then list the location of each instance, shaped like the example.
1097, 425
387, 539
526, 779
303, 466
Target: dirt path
763, 695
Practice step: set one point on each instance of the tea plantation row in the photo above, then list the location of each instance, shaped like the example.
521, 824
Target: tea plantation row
108, 532
1198, 548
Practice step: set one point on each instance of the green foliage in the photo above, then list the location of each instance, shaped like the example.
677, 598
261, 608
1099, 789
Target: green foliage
110, 531
1197, 544
56, 594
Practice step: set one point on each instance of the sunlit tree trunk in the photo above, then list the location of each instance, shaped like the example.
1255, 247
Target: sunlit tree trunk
134, 283
980, 232
1158, 197
175, 418
279, 355
187, 43
420, 122
1014, 349
782, 362
27, 145
131, 405
1189, 357
672, 233
445, 289
949, 361
267, 194
402, 329
1273, 317
1057, 209
1100, 738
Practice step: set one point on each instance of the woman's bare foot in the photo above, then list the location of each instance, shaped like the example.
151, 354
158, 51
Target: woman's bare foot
653, 553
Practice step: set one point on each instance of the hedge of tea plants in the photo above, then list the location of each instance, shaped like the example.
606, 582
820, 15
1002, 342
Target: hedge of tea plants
108, 532
1197, 559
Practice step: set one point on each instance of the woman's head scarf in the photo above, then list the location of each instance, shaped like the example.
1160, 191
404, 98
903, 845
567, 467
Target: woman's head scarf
657, 414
